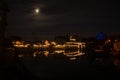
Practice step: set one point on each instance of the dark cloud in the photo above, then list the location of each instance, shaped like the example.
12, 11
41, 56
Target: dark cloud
85, 17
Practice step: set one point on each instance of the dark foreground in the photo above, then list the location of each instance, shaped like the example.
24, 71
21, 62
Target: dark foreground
59, 67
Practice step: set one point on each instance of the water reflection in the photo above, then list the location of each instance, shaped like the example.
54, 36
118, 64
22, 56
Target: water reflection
71, 54
59, 54
58, 51
38, 53
62, 62
46, 53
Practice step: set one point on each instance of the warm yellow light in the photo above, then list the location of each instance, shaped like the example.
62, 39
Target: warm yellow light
35, 45
37, 10
46, 53
53, 43
47, 42
18, 42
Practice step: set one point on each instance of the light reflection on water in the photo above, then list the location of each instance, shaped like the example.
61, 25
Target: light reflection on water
67, 53
37, 61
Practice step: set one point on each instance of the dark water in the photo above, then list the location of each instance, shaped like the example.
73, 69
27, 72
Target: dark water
57, 64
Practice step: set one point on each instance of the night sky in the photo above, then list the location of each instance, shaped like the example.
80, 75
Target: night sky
62, 17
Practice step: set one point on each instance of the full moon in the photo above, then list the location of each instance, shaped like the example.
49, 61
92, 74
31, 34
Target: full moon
37, 10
